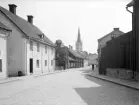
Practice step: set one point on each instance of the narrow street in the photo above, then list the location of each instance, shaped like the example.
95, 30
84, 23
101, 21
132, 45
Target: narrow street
66, 88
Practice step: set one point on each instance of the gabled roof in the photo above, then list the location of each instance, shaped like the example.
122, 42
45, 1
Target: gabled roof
4, 27
71, 59
75, 53
117, 32
28, 29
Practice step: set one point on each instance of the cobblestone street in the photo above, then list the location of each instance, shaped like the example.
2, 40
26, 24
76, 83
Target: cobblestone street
66, 88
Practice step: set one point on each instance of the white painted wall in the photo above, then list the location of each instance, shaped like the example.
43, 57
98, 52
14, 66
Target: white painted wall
3, 56
41, 56
18, 52
14, 47
85, 63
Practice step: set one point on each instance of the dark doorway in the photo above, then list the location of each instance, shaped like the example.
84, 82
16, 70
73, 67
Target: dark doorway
31, 65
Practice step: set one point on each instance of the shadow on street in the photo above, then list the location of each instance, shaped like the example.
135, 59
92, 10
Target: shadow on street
106, 93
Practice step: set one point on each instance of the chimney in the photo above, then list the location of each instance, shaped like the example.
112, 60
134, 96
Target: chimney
12, 8
116, 29
71, 47
30, 19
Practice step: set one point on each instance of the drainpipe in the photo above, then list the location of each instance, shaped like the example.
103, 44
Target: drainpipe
133, 56
128, 10
7, 54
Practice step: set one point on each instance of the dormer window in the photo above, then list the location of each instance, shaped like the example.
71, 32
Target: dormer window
41, 36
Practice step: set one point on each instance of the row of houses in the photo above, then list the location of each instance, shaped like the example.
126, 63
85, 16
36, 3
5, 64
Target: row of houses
67, 57
24, 48
119, 54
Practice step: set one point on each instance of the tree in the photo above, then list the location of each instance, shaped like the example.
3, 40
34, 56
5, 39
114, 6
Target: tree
61, 54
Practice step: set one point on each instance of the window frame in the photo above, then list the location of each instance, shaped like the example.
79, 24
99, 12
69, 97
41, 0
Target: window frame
31, 45
38, 47
45, 62
37, 63
51, 62
46, 49
52, 50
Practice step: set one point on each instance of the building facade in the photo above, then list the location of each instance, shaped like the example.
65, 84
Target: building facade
67, 57
4, 34
28, 49
102, 42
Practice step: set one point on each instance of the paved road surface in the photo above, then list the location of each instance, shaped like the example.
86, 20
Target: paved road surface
67, 88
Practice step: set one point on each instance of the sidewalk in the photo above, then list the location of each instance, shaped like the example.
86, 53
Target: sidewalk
127, 83
13, 79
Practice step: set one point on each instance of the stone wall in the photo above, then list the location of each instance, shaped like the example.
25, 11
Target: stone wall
119, 73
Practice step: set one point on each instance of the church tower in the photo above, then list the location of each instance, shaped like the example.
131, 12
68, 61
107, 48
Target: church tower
79, 42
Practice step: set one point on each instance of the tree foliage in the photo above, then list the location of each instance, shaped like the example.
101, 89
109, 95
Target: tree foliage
61, 57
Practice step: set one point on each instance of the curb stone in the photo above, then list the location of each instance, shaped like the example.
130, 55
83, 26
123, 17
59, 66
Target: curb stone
125, 85
49, 73
9, 80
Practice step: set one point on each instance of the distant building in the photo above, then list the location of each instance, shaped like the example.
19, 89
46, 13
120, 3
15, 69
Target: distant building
79, 48
67, 57
4, 34
102, 42
92, 59
28, 49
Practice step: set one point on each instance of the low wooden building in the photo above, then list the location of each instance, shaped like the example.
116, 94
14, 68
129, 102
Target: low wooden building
69, 58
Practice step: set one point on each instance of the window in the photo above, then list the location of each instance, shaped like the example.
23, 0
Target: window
37, 63
38, 47
52, 50
51, 62
0, 65
45, 62
31, 46
45, 49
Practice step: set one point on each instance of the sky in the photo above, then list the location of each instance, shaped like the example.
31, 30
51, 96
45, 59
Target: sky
60, 19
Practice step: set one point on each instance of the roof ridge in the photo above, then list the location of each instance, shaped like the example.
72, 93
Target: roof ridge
30, 30
109, 34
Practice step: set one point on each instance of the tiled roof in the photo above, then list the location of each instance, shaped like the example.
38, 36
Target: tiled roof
113, 32
83, 54
76, 54
4, 27
71, 59
27, 28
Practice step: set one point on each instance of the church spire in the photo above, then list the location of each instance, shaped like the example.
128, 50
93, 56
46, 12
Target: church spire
79, 36
79, 42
